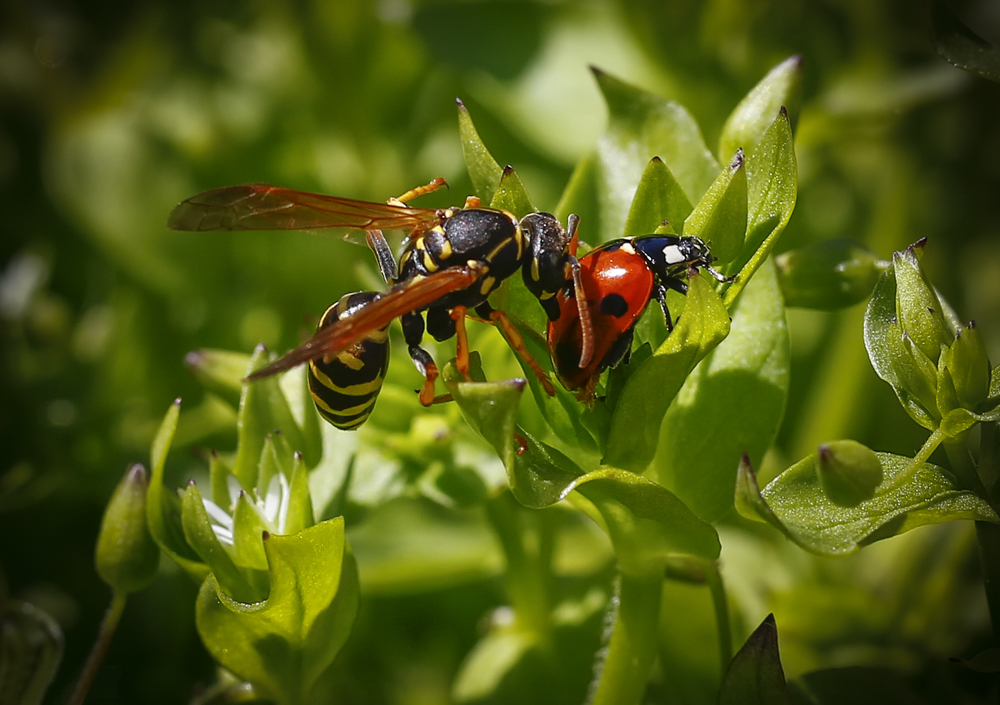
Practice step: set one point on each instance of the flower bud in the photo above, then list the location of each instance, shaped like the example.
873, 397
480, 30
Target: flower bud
918, 309
848, 471
828, 275
127, 556
969, 366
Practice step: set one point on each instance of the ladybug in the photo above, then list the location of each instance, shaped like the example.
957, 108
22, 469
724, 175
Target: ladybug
620, 278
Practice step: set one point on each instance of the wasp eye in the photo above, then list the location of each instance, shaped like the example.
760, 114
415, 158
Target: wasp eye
614, 305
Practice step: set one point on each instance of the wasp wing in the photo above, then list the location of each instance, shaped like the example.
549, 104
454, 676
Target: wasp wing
262, 207
403, 298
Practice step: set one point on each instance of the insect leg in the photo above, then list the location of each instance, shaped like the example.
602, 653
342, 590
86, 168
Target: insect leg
516, 342
664, 284
434, 185
461, 341
383, 255
413, 331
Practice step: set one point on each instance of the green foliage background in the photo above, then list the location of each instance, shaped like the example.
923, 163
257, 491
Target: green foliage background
110, 113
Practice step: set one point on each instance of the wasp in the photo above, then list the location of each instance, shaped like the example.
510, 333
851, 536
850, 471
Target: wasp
619, 279
453, 259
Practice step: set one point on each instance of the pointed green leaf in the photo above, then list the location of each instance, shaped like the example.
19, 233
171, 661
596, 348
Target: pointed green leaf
163, 508
511, 195
285, 643
750, 119
795, 503
483, 168
248, 528
732, 403
636, 420
300, 509
643, 125
755, 676
959, 45
658, 198
771, 190
720, 218
198, 531
219, 478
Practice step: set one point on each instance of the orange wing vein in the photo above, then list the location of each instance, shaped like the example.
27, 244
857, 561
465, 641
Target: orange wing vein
403, 298
262, 207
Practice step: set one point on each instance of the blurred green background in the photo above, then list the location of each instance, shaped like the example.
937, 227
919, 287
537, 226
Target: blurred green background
112, 112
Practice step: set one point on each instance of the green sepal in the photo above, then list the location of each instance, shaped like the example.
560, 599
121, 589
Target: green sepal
744, 127
163, 508
658, 198
218, 476
263, 410
720, 218
968, 366
918, 308
848, 472
642, 125
300, 509
127, 556
755, 675
285, 643
248, 528
635, 422
828, 275
731, 403
909, 497
201, 537
483, 168
219, 371
275, 459
771, 191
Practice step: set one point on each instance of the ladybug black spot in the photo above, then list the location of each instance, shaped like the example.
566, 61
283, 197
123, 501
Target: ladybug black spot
614, 305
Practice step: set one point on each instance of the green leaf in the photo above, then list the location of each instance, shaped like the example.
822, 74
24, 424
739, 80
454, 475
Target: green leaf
732, 403
580, 197
771, 191
511, 195
720, 218
795, 504
300, 509
199, 534
163, 508
750, 119
959, 45
658, 198
483, 168
643, 125
284, 644
755, 676
636, 420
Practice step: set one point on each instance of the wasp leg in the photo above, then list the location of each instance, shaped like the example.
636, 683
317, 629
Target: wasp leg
516, 342
383, 255
433, 186
413, 332
461, 342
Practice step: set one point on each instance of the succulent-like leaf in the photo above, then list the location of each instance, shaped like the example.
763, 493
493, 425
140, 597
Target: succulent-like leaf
636, 420
909, 497
483, 168
285, 643
750, 119
755, 676
732, 403
658, 198
720, 218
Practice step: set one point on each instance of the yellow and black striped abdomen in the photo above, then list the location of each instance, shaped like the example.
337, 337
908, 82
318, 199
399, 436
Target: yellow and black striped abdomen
345, 388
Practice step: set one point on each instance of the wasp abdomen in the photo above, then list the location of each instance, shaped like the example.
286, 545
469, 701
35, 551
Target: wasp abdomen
346, 386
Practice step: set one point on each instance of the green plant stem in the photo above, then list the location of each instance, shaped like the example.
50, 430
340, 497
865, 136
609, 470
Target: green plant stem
100, 649
528, 550
630, 652
987, 533
721, 606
